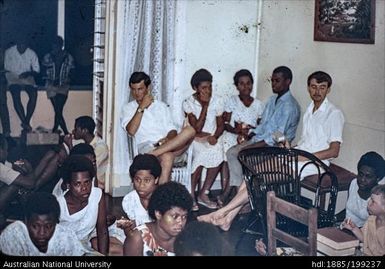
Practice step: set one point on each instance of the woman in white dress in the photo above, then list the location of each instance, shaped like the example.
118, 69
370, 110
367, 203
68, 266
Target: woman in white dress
204, 114
145, 171
169, 207
241, 113
40, 234
83, 206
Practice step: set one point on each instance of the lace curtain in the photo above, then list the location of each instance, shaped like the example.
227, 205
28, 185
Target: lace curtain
145, 42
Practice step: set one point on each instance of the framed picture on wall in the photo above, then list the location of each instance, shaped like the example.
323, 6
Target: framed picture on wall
350, 21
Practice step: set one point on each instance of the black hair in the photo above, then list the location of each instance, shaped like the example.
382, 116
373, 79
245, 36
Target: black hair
145, 162
285, 71
137, 77
320, 77
41, 203
169, 195
82, 149
242, 73
201, 238
86, 122
76, 163
375, 161
202, 75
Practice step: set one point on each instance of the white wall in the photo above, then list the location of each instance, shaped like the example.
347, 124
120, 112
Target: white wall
219, 35
357, 71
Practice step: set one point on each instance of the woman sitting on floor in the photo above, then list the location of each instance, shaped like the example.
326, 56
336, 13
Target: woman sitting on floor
83, 206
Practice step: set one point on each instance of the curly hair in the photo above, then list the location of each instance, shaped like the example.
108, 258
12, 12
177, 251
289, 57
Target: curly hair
169, 195
85, 122
202, 75
242, 73
201, 238
375, 161
41, 203
145, 162
82, 149
76, 163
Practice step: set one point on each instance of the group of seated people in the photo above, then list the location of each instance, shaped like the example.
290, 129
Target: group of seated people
157, 209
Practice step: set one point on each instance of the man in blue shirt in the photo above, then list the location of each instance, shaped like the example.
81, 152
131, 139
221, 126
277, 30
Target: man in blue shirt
280, 116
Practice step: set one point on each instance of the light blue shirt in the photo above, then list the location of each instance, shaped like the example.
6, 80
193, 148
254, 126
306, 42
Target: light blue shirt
282, 116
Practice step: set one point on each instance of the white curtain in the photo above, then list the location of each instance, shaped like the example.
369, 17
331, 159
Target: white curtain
145, 42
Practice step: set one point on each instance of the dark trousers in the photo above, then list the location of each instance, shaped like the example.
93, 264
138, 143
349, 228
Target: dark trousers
58, 102
4, 113
25, 118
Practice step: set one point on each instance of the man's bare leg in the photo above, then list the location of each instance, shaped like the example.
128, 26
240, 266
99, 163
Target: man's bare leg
166, 162
181, 140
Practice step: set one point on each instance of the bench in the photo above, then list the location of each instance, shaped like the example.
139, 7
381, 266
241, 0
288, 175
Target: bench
344, 177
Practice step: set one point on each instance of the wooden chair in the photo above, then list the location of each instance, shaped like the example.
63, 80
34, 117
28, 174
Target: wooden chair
308, 217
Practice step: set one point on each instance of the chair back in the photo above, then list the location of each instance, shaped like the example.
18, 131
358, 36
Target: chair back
276, 169
308, 217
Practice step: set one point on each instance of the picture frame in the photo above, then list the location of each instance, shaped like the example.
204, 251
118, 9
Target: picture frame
349, 21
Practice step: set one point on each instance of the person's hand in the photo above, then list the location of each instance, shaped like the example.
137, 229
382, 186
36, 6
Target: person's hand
68, 140
212, 140
348, 224
22, 166
126, 224
260, 247
146, 101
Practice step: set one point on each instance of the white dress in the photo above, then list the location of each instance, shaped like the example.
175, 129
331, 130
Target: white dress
134, 209
204, 154
15, 241
240, 113
84, 221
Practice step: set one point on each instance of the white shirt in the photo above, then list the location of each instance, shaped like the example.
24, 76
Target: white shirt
241, 113
17, 63
134, 209
7, 174
156, 121
321, 128
15, 241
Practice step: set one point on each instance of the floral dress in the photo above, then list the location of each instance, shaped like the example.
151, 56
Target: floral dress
150, 246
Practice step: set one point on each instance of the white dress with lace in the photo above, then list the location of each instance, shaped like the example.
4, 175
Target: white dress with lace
204, 154
240, 113
15, 241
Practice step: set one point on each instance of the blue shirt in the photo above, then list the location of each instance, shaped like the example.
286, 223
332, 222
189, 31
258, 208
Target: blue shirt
282, 116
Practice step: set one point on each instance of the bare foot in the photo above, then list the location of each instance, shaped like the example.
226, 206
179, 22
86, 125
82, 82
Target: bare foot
223, 223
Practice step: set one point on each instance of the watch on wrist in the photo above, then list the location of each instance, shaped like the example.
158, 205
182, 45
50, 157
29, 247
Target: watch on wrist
140, 110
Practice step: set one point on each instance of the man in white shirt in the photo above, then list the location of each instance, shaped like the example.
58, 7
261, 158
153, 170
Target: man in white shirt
22, 64
150, 122
322, 123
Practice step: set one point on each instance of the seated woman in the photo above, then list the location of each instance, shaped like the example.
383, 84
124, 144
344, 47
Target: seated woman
79, 149
371, 170
241, 113
40, 234
83, 206
205, 116
145, 171
169, 206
